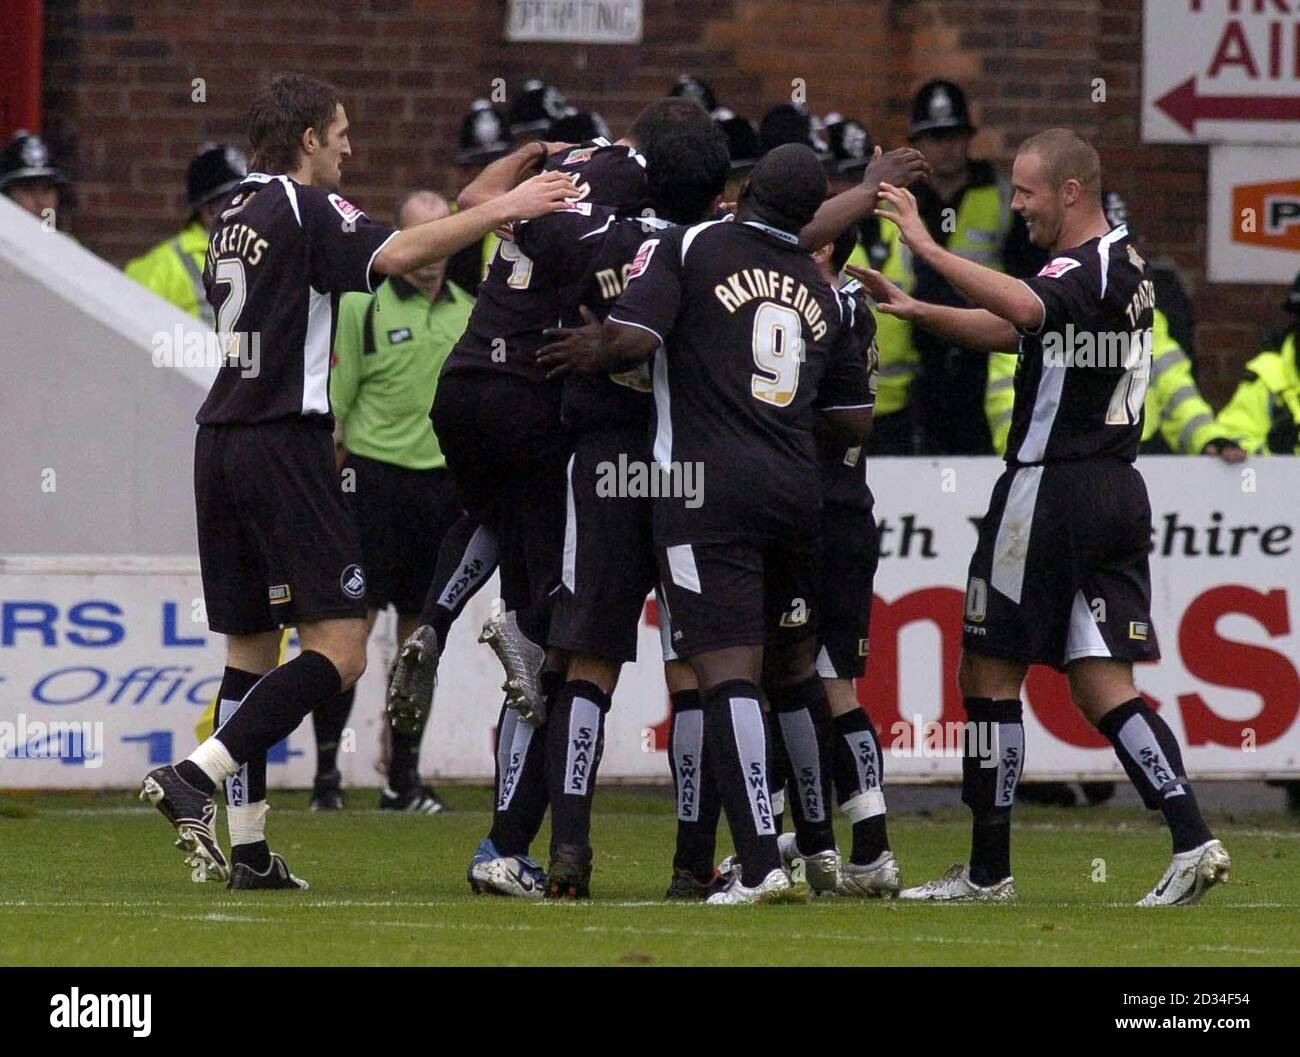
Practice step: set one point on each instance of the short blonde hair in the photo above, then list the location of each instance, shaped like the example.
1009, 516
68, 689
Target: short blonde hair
1067, 156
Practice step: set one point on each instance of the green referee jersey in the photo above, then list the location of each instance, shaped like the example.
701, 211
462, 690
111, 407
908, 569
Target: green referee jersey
388, 350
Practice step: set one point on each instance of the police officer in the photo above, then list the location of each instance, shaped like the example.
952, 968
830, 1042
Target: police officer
967, 209
29, 177
173, 269
1263, 415
388, 351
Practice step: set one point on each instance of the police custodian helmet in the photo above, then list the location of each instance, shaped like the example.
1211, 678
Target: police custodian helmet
938, 106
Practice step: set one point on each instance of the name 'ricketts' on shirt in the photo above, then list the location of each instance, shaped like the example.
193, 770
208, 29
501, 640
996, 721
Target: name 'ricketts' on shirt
279, 256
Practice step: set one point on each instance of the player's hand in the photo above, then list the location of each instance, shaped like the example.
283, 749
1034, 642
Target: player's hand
889, 299
898, 168
538, 195
575, 349
1225, 450
905, 216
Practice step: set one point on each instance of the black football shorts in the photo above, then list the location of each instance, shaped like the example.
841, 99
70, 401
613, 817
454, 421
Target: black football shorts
849, 552
609, 564
739, 592
278, 544
1061, 570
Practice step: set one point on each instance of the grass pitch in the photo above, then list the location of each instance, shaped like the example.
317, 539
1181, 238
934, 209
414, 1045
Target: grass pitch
93, 880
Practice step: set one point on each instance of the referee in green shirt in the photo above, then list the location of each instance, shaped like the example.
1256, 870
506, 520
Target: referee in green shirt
388, 350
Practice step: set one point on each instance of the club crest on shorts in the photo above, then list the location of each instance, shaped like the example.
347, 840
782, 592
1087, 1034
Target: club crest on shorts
279, 594
977, 599
1139, 630
353, 582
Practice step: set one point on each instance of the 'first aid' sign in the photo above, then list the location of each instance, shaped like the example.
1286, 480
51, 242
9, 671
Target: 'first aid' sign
1221, 71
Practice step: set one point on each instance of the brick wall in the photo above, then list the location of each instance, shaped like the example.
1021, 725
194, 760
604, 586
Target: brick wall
119, 85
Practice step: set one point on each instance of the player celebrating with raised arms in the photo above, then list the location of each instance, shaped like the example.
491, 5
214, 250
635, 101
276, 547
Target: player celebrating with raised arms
1060, 575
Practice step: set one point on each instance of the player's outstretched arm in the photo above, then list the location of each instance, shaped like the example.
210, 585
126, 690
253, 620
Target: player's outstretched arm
1001, 294
597, 348
899, 167
504, 173
425, 243
972, 328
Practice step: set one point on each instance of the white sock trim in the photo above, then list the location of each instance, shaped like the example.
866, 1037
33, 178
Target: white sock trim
864, 805
247, 824
214, 760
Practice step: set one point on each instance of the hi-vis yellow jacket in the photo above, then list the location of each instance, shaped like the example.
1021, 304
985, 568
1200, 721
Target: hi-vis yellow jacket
1263, 415
1174, 406
173, 270
979, 230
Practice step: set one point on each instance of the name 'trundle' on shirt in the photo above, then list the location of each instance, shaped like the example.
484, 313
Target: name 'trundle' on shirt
278, 258
1081, 378
753, 341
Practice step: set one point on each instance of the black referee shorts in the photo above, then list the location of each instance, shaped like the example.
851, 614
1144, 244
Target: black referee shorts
739, 592
401, 516
849, 553
1061, 570
277, 543
608, 565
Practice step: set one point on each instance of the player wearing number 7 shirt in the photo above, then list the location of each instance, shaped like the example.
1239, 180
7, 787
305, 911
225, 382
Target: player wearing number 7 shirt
1060, 574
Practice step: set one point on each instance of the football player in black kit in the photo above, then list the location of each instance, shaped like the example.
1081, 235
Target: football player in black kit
608, 565
499, 421
848, 554
609, 559
277, 544
746, 338
1060, 574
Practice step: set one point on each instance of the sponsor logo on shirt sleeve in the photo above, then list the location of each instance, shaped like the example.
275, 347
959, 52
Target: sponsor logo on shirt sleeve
1057, 267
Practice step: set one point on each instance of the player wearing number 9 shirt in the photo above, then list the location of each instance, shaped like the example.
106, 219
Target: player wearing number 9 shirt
1060, 574
751, 341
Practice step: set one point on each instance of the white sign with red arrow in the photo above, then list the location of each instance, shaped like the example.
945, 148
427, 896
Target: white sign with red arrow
1221, 71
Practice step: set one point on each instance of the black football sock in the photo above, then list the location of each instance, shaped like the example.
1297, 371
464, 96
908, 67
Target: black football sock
235, 685
859, 773
467, 558
778, 769
694, 788
404, 761
328, 722
575, 739
1153, 762
521, 784
804, 727
733, 733
280, 701
993, 757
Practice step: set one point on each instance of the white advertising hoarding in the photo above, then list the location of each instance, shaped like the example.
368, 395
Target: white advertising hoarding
109, 649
